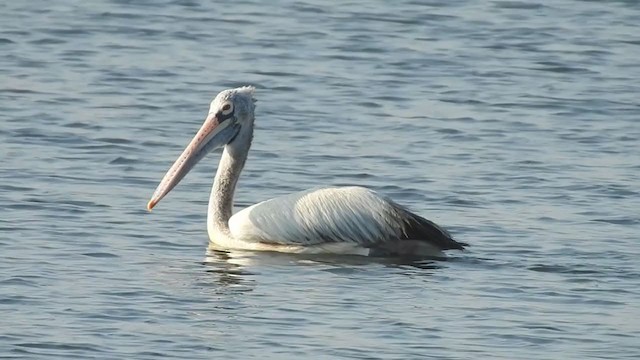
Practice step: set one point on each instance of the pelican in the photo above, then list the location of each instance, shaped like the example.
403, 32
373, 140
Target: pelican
338, 220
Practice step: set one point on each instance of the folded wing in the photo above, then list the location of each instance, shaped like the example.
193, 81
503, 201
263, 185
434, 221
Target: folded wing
354, 215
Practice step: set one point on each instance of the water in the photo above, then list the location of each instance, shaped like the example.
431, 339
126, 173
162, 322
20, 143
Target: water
513, 124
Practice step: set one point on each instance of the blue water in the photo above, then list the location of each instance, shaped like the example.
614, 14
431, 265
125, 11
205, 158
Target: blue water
513, 124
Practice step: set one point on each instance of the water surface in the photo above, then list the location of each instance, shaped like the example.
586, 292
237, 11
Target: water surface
513, 124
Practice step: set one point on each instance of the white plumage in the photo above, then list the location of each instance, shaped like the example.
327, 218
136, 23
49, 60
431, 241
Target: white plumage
346, 220
349, 214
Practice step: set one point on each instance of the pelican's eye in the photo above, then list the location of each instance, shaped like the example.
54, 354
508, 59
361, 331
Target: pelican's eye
227, 109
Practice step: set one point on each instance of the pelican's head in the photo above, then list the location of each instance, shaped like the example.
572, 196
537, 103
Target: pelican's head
230, 111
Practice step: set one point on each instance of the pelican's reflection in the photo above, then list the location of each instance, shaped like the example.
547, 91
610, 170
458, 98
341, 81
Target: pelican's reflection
230, 267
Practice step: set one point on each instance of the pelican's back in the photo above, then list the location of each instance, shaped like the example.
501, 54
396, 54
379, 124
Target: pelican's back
354, 215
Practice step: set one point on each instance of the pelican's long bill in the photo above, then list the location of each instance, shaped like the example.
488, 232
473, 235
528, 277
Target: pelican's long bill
214, 133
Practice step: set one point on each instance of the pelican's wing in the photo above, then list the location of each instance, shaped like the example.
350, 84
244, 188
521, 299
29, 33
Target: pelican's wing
341, 214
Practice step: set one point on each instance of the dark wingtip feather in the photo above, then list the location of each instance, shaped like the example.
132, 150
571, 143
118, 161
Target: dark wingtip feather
418, 228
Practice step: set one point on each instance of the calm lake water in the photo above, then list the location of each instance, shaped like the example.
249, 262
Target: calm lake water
516, 125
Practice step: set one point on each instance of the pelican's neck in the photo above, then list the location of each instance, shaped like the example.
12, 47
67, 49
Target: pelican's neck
232, 161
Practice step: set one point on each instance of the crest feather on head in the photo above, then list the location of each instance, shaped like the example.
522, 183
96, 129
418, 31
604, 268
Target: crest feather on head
249, 90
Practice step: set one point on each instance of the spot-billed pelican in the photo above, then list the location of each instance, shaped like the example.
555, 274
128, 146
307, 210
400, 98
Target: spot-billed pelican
342, 220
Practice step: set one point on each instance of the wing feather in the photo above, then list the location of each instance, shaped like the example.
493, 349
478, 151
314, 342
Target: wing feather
338, 214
